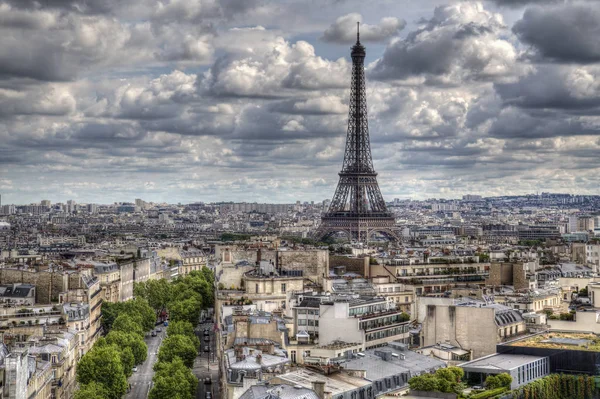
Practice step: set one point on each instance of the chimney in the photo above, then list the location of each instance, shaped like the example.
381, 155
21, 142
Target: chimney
319, 388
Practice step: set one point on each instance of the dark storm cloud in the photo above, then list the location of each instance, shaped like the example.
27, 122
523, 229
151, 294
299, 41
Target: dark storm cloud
343, 30
82, 6
519, 3
515, 123
552, 86
567, 33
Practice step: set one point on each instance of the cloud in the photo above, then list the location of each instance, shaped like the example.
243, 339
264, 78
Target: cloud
461, 42
576, 89
278, 67
515, 123
566, 33
343, 30
208, 100
520, 3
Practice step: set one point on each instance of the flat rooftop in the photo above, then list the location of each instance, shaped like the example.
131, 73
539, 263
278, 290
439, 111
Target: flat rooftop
336, 384
560, 340
376, 368
500, 362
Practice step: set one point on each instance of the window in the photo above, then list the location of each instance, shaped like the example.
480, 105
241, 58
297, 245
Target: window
311, 322
283, 288
405, 299
256, 288
301, 322
301, 311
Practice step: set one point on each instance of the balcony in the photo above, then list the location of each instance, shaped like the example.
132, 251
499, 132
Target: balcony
370, 316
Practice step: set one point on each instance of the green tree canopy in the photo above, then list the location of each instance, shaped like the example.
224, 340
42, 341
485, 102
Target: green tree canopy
127, 360
177, 369
186, 310
93, 390
102, 364
425, 382
140, 306
183, 327
170, 387
178, 346
157, 292
492, 382
128, 324
130, 340
504, 379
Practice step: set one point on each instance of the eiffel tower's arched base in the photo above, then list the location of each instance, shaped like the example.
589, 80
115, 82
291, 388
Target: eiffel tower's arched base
359, 229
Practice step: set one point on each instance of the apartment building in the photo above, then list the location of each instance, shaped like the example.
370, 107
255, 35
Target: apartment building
370, 321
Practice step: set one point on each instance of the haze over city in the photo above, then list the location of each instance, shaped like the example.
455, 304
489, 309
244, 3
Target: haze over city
180, 101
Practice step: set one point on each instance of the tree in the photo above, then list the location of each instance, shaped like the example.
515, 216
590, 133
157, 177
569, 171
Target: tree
93, 390
458, 372
127, 360
177, 368
102, 364
178, 346
425, 382
492, 382
183, 327
130, 340
156, 292
186, 310
169, 387
139, 306
504, 379
110, 311
127, 323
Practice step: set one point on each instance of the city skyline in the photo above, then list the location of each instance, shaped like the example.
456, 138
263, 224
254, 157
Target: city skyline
226, 101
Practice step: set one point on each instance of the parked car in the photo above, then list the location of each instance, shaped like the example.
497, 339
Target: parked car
134, 369
153, 333
206, 338
208, 395
206, 332
207, 381
206, 348
159, 329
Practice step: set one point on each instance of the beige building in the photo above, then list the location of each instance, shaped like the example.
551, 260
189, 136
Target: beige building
60, 349
369, 321
469, 324
191, 260
109, 275
402, 295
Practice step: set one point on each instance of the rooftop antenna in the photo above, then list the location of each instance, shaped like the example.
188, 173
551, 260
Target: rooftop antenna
357, 32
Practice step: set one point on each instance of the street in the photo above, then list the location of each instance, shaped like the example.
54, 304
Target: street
203, 368
141, 380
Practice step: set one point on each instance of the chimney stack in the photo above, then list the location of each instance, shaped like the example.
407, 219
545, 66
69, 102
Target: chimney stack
319, 388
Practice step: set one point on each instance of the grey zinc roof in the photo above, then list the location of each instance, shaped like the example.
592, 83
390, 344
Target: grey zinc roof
376, 368
278, 392
500, 362
251, 362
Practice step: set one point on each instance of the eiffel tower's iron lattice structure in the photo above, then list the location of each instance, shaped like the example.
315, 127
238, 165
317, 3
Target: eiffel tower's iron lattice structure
357, 207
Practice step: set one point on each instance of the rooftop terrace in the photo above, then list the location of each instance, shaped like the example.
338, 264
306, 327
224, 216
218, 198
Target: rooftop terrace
560, 340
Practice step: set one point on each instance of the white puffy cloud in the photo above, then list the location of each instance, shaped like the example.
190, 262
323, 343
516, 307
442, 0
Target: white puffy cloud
344, 29
461, 42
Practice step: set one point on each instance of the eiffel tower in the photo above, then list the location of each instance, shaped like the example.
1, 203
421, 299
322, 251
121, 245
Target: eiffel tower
357, 208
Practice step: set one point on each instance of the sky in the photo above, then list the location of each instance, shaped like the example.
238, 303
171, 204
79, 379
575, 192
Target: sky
231, 100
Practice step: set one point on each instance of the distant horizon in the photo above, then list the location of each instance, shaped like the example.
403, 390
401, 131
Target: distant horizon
282, 203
